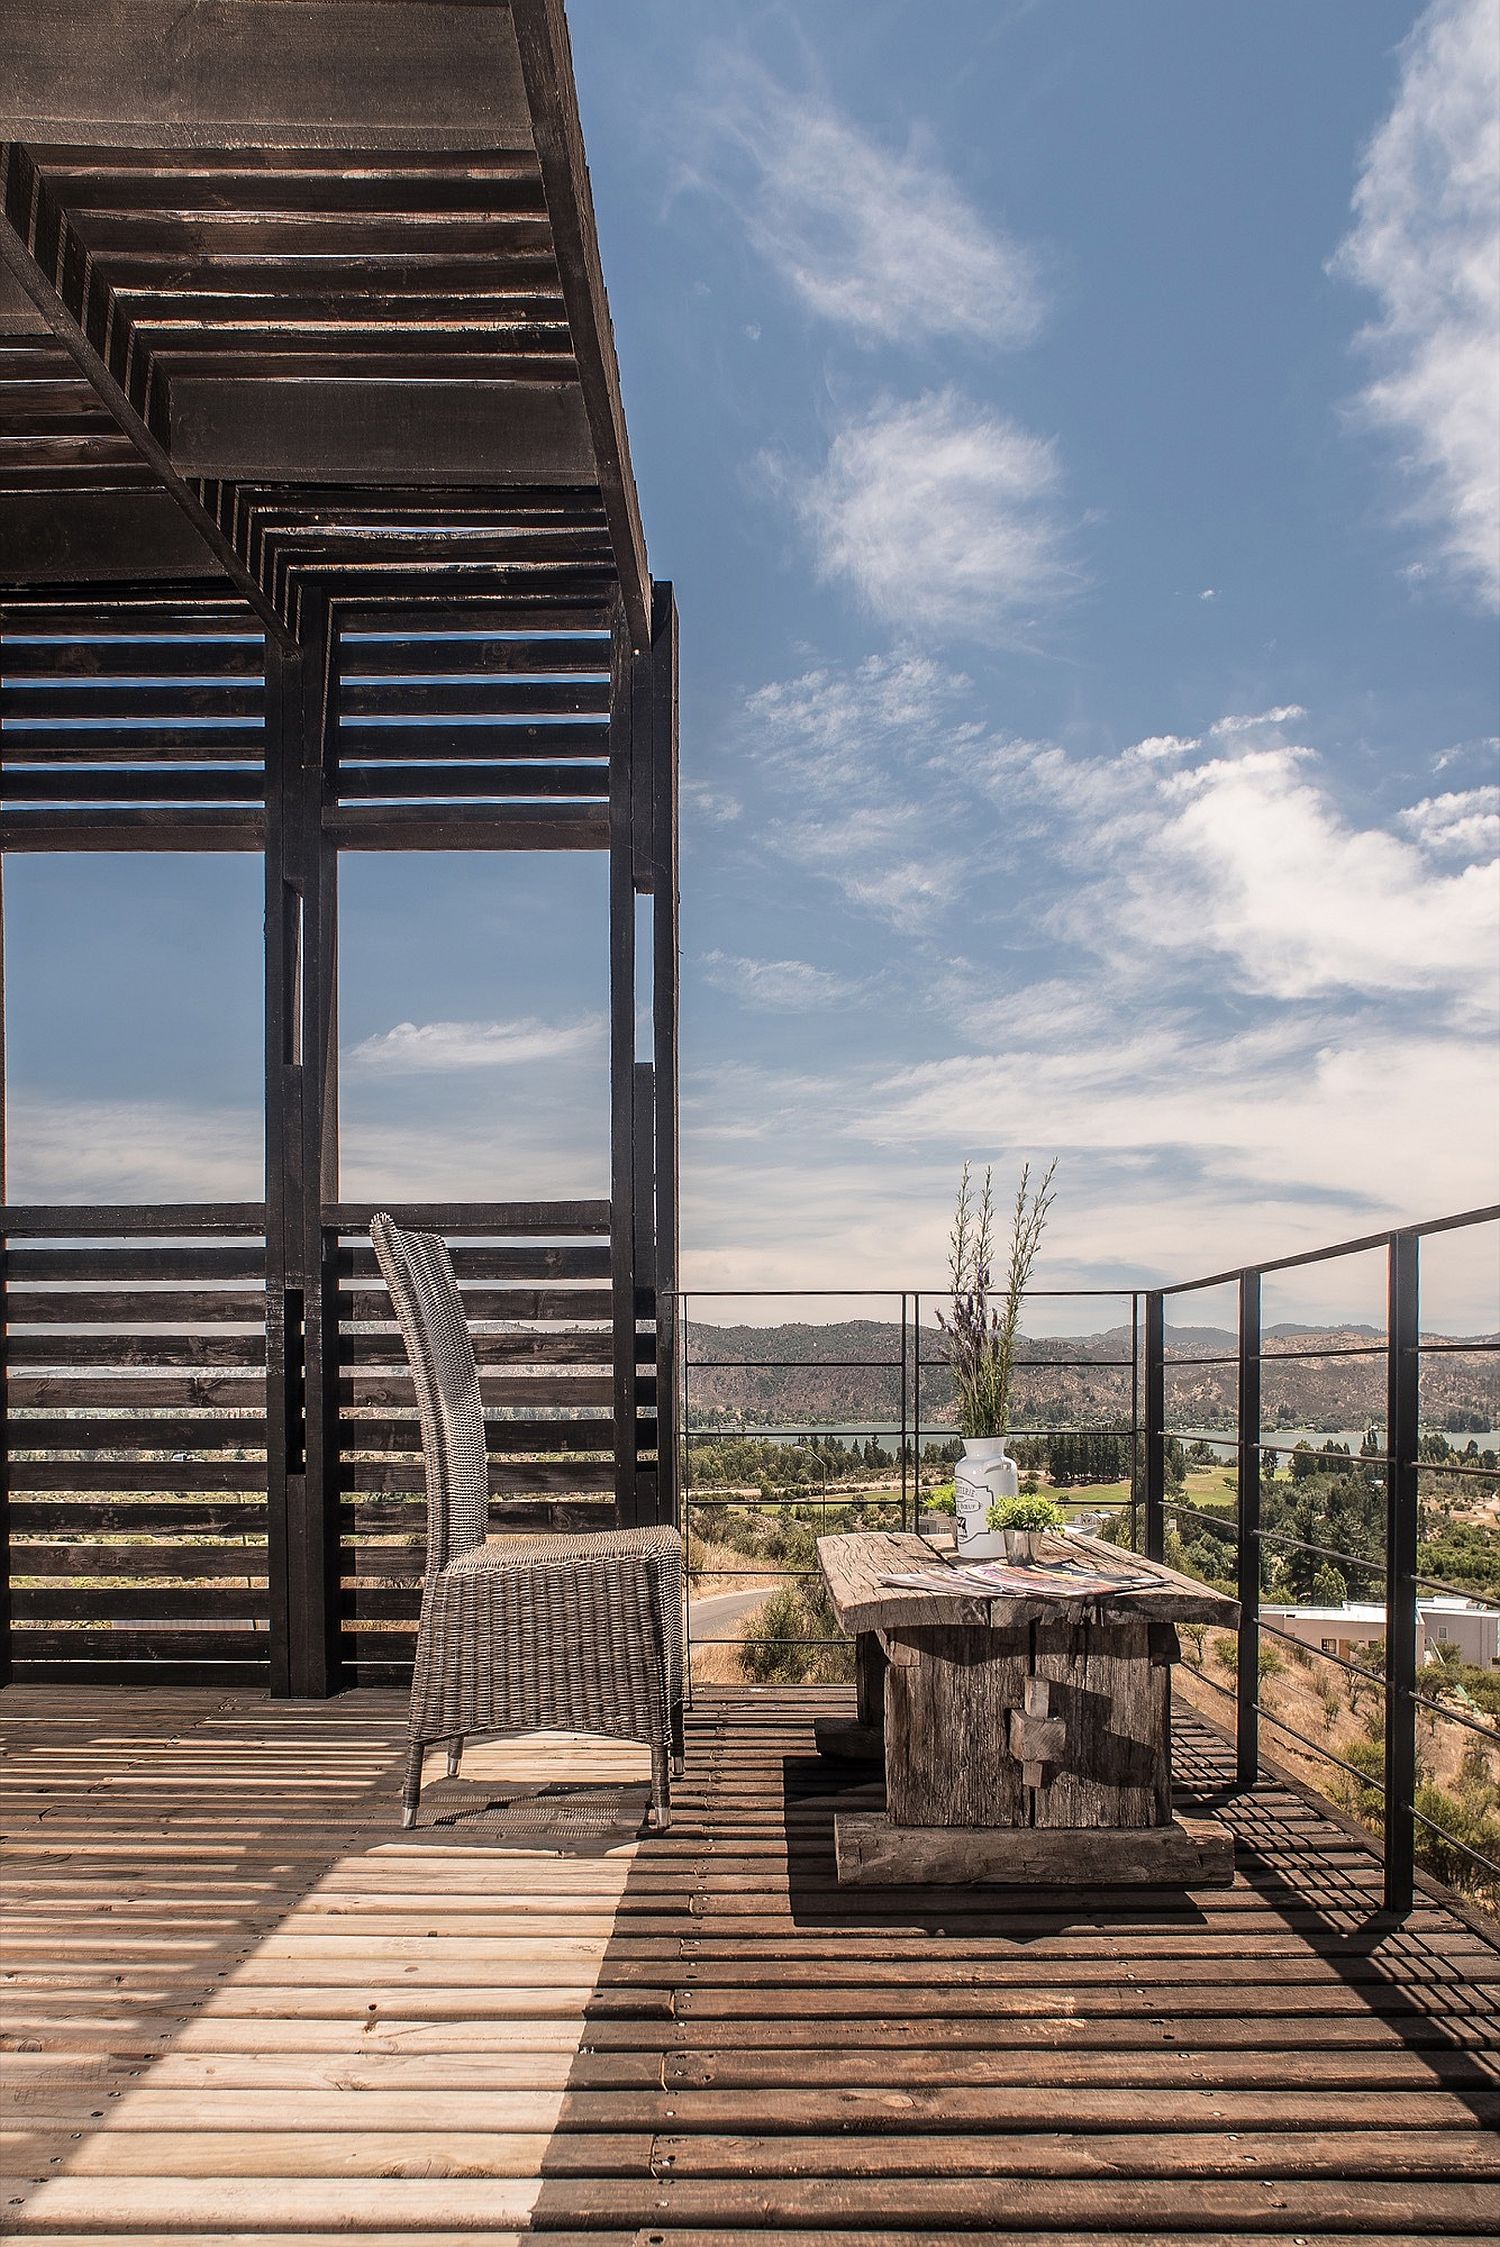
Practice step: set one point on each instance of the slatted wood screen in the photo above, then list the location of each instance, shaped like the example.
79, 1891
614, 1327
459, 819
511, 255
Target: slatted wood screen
137, 726
453, 738
135, 1437
211, 1448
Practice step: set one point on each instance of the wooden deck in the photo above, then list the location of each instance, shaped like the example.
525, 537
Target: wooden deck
241, 2004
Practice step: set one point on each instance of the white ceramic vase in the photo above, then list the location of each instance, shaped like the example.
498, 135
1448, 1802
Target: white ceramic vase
984, 1474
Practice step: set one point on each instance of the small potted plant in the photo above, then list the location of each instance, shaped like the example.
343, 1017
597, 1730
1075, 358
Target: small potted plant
1022, 1524
980, 1338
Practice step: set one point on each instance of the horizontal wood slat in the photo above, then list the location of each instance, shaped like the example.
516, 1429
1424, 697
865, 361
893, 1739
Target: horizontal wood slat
212, 1605
504, 782
131, 1518
81, 1306
144, 1392
467, 827
466, 1219
481, 743
64, 1221
134, 1432
133, 1563
135, 829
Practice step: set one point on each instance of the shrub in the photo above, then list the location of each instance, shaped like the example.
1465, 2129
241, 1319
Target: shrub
1032, 1514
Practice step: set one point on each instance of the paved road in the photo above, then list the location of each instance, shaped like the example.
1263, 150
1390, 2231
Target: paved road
716, 1616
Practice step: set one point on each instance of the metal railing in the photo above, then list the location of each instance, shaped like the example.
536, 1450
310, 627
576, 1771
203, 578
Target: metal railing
1402, 1350
1147, 1436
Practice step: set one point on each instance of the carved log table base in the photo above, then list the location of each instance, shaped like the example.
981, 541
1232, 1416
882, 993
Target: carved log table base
1025, 1740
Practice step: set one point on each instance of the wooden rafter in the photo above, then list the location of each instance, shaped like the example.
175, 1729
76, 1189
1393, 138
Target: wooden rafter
547, 68
28, 221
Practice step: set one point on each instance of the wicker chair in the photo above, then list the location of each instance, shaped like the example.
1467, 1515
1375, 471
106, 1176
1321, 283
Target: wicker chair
570, 1633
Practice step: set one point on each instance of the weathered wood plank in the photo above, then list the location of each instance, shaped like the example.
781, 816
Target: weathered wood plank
874, 1851
320, 74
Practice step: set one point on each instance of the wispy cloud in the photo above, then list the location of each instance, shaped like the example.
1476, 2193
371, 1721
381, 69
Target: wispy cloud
99, 1150
1246, 855
718, 806
413, 1047
780, 986
1426, 240
1466, 821
881, 242
942, 517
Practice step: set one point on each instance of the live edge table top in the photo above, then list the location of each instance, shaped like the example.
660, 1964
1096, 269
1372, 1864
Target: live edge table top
854, 1567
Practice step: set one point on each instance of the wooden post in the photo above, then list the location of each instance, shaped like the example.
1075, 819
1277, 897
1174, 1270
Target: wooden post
626, 685
4, 1332
301, 1162
665, 1010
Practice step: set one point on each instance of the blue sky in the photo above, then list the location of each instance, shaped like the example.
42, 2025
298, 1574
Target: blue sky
1072, 433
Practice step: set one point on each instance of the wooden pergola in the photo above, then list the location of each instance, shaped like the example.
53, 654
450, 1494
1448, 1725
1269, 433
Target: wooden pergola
318, 533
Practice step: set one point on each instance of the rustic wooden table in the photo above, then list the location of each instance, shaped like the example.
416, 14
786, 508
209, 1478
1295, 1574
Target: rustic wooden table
1024, 1739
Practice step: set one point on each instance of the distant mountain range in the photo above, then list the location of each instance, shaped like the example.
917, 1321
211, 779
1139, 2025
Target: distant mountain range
849, 1375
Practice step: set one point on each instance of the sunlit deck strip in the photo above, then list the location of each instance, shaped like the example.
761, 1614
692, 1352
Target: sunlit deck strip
241, 2003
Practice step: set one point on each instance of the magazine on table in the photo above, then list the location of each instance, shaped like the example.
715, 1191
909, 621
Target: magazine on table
1016, 1579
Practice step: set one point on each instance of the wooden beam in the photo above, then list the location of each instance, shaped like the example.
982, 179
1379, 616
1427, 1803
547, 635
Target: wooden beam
472, 432
263, 73
131, 535
5, 1569
27, 216
665, 1000
551, 91
301, 1163
624, 1105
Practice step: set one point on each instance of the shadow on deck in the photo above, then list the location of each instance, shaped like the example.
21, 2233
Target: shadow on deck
241, 2003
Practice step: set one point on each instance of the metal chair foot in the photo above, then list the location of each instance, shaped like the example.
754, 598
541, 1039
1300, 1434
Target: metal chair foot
455, 1757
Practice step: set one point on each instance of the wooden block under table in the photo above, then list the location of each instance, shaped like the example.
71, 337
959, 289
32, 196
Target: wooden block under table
873, 1853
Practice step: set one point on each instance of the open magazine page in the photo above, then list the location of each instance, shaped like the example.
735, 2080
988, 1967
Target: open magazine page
1053, 1579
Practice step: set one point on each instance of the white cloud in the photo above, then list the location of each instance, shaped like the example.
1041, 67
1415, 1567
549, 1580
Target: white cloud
837, 728
1246, 855
414, 1046
884, 244
1426, 240
1256, 1023
779, 986
99, 1150
716, 805
880, 856
1467, 821
941, 516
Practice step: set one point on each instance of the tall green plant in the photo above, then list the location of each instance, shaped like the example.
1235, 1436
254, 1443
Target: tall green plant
980, 1334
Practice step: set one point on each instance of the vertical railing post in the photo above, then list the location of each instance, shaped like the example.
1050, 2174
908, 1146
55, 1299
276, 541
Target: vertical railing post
1136, 1452
1402, 1408
1154, 1386
1247, 1709
916, 1410
907, 1522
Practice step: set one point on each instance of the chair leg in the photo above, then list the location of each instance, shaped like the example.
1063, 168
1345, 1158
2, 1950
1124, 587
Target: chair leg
661, 1789
679, 1741
455, 1755
411, 1790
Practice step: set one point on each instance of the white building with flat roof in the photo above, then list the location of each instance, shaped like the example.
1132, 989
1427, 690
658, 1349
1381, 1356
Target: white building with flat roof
1468, 1626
